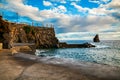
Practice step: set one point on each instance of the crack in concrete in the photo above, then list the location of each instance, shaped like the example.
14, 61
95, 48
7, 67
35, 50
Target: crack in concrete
20, 75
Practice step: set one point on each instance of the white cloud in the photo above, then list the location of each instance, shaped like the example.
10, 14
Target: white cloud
94, 11
33, 12
47, 3
77, 23
63, 2
23, 10
80, 9
110, 35
105, 0
59, 9
62, 8
115, 4
90, 23
95, 1
75, 36
99, 1
99, 11
59, 1
114, 7
57, 13
88, 36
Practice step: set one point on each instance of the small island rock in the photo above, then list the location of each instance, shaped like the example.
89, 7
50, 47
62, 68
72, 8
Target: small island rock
96, 38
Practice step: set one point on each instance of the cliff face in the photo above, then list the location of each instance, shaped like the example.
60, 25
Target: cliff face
5, 31
10, 33
45, 38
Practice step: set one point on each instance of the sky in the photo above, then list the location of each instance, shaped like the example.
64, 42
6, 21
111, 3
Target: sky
72, 19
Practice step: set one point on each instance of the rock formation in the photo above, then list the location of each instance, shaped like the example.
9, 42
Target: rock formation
43, 37
96, 38
5, 31
84, 45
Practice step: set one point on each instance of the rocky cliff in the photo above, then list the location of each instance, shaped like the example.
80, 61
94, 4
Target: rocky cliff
43, 37
5, 31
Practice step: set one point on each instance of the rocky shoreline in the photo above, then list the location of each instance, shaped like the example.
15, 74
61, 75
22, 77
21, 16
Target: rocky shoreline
84, 45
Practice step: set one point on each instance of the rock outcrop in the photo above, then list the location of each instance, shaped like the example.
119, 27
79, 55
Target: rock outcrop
96, 38
43, 37
84, 45
5, 32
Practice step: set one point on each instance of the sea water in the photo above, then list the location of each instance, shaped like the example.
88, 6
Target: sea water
105, 52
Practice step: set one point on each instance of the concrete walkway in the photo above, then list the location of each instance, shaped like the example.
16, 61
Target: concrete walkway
12, 68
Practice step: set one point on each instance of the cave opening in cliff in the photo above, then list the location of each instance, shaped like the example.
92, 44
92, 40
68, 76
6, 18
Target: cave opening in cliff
1, 37
19, 40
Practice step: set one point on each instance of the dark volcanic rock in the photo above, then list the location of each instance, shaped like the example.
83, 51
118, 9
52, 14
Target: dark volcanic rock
84, 45
88, 45
96, 38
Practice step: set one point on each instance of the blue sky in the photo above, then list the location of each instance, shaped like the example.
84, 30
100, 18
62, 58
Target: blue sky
72, 19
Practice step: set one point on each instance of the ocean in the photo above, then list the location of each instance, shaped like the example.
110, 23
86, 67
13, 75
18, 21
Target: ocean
106, 52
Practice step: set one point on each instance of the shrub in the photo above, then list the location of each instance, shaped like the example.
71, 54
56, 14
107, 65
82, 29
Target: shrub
27, 29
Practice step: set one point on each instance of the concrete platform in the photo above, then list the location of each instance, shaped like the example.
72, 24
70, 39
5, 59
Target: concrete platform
15, 68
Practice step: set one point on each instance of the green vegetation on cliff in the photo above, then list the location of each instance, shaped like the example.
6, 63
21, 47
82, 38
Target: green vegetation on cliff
29, 30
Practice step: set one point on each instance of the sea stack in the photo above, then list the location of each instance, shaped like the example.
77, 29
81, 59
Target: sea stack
96, 38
